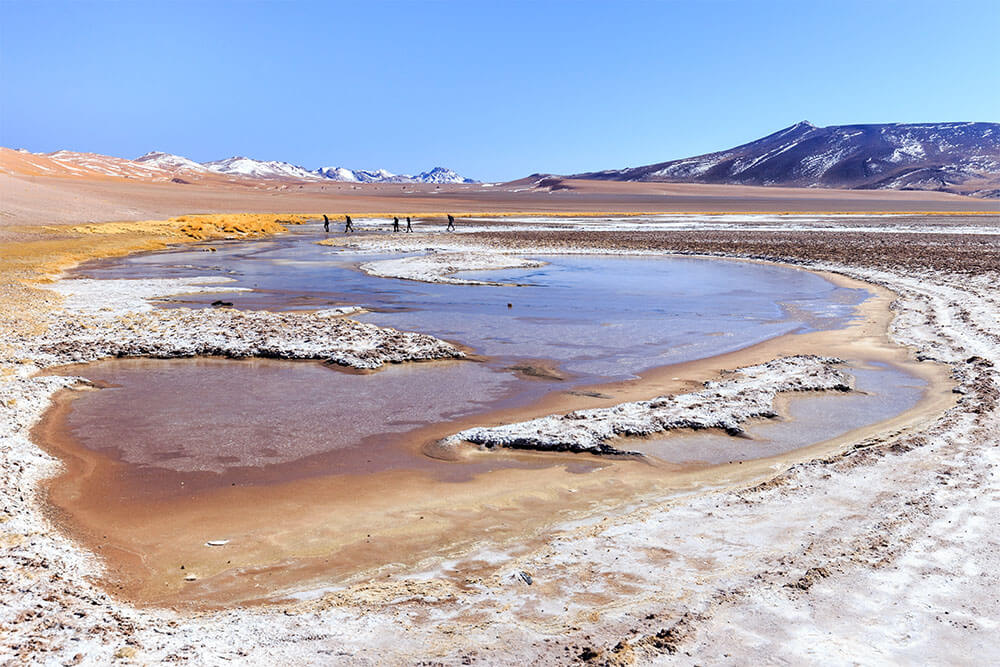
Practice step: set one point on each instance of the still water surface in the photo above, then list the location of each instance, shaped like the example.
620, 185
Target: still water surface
598, 318
582, 319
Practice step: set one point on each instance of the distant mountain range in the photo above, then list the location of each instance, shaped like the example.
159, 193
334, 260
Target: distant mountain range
963, 158
157, 166
960, 158
271, 169
435, 175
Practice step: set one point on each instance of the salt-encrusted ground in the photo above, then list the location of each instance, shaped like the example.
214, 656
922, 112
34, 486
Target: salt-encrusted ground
748, 393
112, 318
438, 267
888, 554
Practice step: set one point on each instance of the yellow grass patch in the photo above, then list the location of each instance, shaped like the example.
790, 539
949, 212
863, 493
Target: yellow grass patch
202, 226
50, 251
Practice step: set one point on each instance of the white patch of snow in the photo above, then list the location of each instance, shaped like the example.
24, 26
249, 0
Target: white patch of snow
266, 169
170, 162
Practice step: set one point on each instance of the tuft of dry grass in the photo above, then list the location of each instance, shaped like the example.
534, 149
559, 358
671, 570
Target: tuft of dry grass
202, 226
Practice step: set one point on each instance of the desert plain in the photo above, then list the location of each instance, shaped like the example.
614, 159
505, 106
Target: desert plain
878, 545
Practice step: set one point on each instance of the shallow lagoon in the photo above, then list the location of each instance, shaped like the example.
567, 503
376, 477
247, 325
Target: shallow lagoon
293, 459
578, 320
597, 317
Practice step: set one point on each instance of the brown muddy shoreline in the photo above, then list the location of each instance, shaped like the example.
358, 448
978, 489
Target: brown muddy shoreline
145, 543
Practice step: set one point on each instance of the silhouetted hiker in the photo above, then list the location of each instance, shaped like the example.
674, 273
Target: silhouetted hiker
451, 223
409, 227
326, 223
395, 224
349, 227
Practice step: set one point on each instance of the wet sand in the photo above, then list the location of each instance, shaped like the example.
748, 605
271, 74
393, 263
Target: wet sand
287, 534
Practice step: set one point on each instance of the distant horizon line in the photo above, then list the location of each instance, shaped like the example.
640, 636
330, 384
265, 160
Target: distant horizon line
531, 172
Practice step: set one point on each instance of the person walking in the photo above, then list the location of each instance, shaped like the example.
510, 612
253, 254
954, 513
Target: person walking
395, 223
349, 227
326, 224
451, 223
409, 227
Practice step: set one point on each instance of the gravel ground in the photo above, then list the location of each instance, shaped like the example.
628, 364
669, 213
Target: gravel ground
972, 254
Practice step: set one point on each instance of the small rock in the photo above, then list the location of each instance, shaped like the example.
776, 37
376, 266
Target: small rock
811, 576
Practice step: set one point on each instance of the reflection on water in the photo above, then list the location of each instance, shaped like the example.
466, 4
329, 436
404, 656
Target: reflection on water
202, 449
596, 318
599, 317
881, 393
189, 415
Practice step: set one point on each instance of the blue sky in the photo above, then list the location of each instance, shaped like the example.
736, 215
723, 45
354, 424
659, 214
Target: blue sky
493, 90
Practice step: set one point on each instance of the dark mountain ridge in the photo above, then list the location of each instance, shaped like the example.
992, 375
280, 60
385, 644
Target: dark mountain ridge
963, 158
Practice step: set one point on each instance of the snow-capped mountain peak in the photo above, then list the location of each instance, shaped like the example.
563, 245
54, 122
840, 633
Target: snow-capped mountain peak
271, 169
435, 175
265, 169
375, 176
441, 175
170, 162
337, 174
953, 157
161, 166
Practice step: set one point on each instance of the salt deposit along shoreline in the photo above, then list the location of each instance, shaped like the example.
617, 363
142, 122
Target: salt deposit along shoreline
79, 494
746, 394
438, 267
125, 326
903, 538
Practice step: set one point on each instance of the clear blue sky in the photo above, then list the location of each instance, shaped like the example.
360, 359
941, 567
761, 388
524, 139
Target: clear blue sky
494, 90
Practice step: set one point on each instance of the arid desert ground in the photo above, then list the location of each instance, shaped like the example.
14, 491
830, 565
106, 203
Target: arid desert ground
874, 546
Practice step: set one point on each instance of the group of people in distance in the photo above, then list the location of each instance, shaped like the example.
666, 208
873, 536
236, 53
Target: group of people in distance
349, 224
